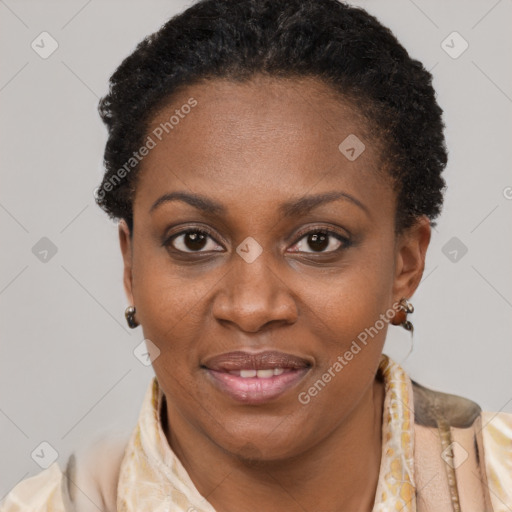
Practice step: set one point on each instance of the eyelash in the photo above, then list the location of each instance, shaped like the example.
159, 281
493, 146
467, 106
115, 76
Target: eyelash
345, 241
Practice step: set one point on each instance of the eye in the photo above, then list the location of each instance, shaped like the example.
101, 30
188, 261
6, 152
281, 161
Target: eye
192, 240
321, 241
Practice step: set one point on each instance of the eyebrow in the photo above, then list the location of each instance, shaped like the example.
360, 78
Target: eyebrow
307, 203
197, 201
287, 209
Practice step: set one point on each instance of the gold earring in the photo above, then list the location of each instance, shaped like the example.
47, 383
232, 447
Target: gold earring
129, 314
400, 317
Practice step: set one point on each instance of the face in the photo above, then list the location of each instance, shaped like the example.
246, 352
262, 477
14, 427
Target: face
254, 232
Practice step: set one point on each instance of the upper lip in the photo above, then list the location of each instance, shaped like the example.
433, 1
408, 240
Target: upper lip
240, 360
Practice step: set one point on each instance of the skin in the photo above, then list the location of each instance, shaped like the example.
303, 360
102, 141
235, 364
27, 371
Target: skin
253, 146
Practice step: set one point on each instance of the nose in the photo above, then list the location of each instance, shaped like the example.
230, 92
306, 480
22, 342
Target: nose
253, 296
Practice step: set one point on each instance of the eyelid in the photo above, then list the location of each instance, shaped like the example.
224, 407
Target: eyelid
329, 230
326, 228
187, 229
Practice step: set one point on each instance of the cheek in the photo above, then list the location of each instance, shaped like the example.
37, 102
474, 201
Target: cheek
349, 312
352, 298
164, 302
161, 293
172, 306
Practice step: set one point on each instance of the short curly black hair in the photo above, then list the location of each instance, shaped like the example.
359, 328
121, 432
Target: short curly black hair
342, 45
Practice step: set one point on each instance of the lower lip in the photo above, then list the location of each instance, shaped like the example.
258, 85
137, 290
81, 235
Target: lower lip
254, 390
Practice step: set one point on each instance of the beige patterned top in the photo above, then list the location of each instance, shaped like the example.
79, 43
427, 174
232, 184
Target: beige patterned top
152, 477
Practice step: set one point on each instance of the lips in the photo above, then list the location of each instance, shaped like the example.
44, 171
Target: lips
255, 378
269, 360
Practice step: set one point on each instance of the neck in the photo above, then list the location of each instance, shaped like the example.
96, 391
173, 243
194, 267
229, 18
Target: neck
339, 473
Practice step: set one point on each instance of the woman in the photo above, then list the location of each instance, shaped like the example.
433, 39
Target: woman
275, 168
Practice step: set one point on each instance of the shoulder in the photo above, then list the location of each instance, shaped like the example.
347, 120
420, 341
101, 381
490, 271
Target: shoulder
497, 440
432, 406
469, 428
88, 481
40, 493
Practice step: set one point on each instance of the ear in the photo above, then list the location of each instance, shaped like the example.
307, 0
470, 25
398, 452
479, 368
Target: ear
126, 251
411, 249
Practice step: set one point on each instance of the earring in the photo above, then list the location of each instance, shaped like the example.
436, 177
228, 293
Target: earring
400, 317
129, 313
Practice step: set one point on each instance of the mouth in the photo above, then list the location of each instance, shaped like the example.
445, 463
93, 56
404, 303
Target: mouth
256, 378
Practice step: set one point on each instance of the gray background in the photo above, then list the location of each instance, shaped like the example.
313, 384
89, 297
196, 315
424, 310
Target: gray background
67, 368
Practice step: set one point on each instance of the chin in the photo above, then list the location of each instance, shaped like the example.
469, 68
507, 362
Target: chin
264, 446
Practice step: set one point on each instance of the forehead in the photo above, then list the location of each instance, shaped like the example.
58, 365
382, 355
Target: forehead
258, 139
